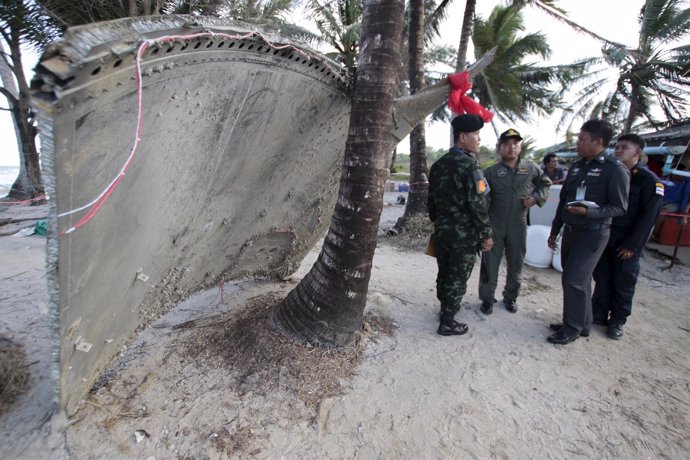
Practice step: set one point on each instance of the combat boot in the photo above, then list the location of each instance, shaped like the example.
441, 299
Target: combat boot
449, 326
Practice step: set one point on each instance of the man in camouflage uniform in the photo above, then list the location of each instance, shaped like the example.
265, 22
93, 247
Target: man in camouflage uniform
459, 209
515, 186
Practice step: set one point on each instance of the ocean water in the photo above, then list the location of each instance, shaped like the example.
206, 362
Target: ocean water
8, 174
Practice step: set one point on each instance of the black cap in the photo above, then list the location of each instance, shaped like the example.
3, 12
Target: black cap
510, 134
467, 123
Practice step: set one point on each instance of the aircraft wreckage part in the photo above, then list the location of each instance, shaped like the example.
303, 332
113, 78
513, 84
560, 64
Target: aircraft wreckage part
235, 173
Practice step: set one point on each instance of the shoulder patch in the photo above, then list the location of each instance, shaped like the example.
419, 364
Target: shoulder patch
659, 189
479, 181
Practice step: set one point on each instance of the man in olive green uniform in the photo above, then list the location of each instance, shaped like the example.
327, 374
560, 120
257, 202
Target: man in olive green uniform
459, 209
515, 186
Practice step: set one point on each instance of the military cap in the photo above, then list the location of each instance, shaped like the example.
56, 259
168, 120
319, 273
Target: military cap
467, 123
510, 134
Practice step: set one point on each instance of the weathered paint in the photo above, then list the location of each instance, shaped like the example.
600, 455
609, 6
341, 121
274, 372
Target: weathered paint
234, 176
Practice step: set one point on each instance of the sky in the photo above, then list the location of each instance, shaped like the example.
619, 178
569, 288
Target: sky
613, 19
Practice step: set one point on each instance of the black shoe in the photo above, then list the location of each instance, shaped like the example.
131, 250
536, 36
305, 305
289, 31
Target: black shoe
559, 326
615, 331
562, 337
600, 322
452, 328
487, 307
511, 306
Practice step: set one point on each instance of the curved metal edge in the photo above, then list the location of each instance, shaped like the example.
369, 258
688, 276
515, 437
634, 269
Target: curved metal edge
99, 44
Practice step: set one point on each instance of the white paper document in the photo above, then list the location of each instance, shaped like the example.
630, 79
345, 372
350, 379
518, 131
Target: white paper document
585, 203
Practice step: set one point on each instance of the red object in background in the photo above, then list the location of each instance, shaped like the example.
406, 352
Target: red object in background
655, 166
460, 103
670, 228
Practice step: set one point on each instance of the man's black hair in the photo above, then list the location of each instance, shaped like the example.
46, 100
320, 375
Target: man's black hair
634, 138
599, 129
547, 158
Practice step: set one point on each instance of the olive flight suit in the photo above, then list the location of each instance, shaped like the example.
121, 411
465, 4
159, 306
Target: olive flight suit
458, 207
508, 218
604, 181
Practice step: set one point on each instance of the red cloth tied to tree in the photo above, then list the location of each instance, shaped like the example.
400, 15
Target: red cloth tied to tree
460, 103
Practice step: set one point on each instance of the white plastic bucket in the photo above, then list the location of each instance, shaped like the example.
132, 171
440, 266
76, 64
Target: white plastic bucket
538, 252
544, 215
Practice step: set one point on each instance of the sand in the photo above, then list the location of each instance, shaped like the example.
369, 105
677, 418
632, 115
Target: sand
501, 391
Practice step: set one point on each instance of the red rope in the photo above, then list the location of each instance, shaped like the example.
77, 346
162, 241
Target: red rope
98, 203
38, 198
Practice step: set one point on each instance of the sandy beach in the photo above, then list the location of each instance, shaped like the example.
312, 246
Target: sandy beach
501, 391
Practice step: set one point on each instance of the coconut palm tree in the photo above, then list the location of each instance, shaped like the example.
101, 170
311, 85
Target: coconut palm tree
465, 34
420, 33
22, 22
340, 25
327, 306
416, 204
75, 12
514, 87
647, 78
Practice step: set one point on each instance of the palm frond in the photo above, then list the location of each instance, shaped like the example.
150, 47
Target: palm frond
674, 28
434, 15
559, 15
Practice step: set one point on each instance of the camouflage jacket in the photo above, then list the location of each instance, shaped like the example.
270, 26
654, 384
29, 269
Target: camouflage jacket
458, 203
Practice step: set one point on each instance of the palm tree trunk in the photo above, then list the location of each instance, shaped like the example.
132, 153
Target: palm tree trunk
393, 157
416, 203
465, 34
9, 90
634, 107
28, 184
327, 306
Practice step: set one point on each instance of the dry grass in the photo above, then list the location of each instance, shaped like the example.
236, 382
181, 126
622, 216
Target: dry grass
415, 235
258, 364
265, 360
14, 376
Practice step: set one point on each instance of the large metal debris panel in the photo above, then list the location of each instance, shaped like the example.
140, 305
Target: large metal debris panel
235, 174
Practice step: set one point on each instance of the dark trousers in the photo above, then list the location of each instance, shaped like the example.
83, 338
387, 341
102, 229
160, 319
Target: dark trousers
580, 252
614, 287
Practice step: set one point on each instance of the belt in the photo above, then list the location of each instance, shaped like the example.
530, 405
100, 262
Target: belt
576, 227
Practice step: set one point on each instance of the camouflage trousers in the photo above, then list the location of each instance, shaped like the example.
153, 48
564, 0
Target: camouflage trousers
455, 266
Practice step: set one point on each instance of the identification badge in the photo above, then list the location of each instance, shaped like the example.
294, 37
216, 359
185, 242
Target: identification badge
580, 193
